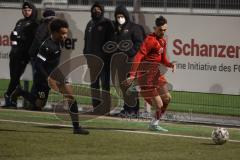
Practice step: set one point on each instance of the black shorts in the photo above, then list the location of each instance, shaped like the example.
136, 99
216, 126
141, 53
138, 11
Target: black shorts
41, 90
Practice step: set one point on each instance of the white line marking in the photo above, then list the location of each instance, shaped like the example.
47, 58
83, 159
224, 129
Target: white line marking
163, 134
126, 131
36, 123
115, 118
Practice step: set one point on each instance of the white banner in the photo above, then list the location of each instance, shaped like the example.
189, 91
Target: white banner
207, 51
206, 48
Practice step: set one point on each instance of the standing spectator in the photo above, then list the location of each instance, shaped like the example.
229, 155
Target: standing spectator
46, 62
97, 33
42, 34
21, 37
129, 36
145, 69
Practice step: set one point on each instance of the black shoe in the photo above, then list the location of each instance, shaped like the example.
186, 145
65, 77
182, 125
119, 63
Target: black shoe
80, 130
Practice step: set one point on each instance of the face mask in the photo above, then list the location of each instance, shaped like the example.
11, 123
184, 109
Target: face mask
96, 15
121, 20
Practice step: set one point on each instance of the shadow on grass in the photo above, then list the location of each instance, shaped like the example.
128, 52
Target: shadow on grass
9, 130
53, 127
92, 128
209, 144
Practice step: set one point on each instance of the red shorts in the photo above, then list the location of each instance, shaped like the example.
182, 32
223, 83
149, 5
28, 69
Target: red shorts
151, 81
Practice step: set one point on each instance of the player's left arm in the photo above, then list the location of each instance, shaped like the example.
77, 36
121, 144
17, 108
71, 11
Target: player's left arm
166, 61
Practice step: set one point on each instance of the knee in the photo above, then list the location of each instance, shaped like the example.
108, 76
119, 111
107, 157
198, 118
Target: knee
166, 99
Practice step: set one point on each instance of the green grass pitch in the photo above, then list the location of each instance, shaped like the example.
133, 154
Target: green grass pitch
28, 135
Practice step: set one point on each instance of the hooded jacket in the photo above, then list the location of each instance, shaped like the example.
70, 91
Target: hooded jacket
42, 33
129, 31
97, 33
23, 34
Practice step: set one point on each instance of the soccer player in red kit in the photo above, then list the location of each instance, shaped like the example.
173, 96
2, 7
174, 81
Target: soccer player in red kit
145, 68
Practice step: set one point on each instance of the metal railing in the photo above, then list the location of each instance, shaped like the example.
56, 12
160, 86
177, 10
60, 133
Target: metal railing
219, 7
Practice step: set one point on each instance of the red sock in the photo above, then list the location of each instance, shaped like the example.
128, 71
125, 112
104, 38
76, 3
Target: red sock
158, 114
163, 110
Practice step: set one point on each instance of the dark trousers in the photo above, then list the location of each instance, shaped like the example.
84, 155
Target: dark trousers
17, 68
131, 101
120, 66
100, 88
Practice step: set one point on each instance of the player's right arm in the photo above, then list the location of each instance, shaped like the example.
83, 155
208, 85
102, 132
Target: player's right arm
145, 48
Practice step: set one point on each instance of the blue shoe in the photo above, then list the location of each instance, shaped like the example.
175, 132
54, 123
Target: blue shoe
9, 104
157, 128
7, 100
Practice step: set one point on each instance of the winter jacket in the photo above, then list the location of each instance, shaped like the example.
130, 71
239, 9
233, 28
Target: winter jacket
97, 33
128, 32
23, 34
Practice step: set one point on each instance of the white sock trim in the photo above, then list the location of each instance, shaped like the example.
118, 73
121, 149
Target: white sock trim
154, 121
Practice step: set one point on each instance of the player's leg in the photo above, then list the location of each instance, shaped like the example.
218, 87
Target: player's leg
42, 97
37, 99
17, 68
152, 97
165, 96
67, 91
154, 124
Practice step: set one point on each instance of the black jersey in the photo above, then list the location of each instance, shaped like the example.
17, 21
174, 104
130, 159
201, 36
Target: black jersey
48, 57
41, 34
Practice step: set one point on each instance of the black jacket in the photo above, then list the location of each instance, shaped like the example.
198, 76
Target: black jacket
97, 33
48, 57
41, 34
128, 32
23, 35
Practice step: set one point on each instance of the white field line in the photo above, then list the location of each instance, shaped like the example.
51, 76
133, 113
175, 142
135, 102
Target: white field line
35, 123
109, 118
126, 131
171, 135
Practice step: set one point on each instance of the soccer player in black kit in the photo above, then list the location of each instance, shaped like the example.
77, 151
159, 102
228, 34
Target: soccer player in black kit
21, 37
42, 33
46, 62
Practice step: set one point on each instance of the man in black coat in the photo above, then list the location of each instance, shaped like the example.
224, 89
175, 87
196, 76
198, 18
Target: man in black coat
128, 37
21, 37
97, 33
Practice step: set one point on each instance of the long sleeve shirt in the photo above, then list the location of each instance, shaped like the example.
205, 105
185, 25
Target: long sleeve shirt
152, 50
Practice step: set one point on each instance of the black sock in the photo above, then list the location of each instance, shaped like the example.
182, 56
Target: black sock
74, 114
28, 96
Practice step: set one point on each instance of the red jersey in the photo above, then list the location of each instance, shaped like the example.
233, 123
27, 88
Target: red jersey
153, 50
146, 64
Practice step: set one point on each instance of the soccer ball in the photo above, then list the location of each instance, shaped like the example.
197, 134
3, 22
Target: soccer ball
220, 135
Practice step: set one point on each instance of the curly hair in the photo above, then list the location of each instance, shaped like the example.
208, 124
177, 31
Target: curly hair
160, 21
57, 24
